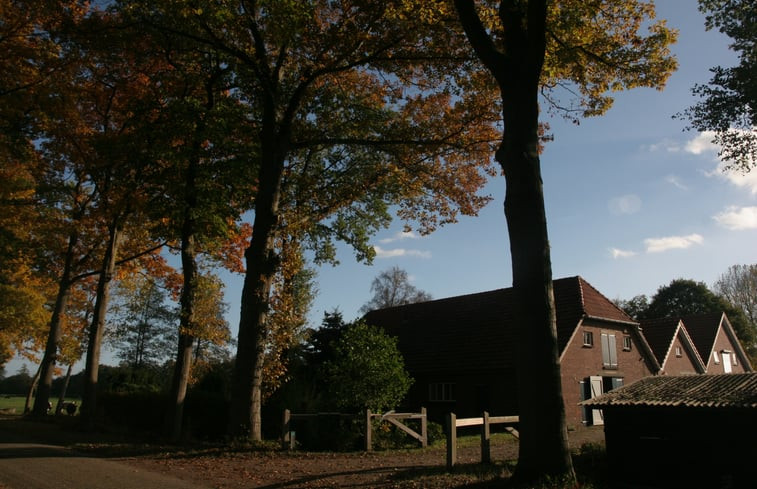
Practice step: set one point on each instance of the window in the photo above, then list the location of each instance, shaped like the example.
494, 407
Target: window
679, 353
588, 338
627, 343
716, 358
735, 362
441, 391
609, 351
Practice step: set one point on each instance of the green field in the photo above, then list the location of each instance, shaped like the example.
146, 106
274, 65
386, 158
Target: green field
17, 403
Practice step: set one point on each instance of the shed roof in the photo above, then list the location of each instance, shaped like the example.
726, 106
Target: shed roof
698, 391
474, 332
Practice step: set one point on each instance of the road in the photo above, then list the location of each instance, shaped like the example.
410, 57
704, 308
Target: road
39, 466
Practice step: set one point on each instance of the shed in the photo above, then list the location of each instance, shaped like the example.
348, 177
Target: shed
690, 431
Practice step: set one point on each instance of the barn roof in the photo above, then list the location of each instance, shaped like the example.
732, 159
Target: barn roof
700, 391
474, 332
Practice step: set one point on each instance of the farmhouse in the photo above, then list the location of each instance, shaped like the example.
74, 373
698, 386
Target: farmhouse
461, 350
690, 431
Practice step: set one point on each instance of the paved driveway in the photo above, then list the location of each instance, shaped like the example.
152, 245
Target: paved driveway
38, 466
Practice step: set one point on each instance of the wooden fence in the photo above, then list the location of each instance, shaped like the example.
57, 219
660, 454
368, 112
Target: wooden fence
288, 436
485, 422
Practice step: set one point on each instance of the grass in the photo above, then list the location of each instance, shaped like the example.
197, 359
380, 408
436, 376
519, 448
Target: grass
18, 402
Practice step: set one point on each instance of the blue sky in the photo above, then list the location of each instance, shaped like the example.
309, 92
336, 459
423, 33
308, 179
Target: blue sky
633, 201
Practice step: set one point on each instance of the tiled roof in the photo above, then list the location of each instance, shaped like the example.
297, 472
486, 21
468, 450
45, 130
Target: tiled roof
703, 328
474, 332
700, 391
660, 334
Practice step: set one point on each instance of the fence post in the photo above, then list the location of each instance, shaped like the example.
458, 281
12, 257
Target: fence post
451, 440
424, 428
368, 431
486, 456
285, 437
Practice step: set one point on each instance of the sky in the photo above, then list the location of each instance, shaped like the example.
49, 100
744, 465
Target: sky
633, 202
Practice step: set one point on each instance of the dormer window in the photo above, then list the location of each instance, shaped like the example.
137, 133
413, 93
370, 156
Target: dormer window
588, 339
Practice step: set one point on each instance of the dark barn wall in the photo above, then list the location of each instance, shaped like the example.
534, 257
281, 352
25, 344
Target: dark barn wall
682, 448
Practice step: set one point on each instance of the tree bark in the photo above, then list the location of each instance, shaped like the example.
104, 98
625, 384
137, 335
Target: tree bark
543, 448
32, 388
47, 367
62, 396
261, 263
183, 364
96, 329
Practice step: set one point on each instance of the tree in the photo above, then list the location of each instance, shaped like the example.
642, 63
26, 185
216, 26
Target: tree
537, 46
143, 322
367, 370
348, 118
738, 285
634, 307
392, 287
728, 104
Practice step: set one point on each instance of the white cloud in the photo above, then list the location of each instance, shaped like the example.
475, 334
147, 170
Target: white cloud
657, 245
397, 252
702, 143
618, 253
735, 177
673, 180
625, 204
738, 218
400, 236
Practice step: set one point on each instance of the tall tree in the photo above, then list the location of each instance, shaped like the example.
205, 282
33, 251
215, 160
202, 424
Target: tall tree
348, 118
144, 322
739, 286
728, 105
392, 287
533, 46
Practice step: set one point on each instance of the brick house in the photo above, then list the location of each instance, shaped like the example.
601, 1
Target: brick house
717, 343
461, 350
673, 347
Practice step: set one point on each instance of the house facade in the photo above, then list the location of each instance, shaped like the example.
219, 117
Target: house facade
461, 350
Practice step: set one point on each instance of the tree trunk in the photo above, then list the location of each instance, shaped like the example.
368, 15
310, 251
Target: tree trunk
261, 263
62, 396
47, 367
92, 365
32, 388
517, 65
182, 368
543, 448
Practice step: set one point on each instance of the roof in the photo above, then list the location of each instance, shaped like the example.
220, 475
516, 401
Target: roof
696, 391
661, 334
474, 332
703, 328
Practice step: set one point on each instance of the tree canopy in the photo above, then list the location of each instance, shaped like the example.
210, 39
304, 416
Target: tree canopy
392, 287
728, 103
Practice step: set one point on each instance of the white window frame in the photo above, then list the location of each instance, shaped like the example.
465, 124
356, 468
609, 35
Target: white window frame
588, 339
679, 352
716, 357
609, 351
627, 343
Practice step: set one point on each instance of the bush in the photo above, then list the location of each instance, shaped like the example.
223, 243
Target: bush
329, 433
367, 371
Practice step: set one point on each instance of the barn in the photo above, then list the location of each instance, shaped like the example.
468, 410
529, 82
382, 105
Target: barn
688, 431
